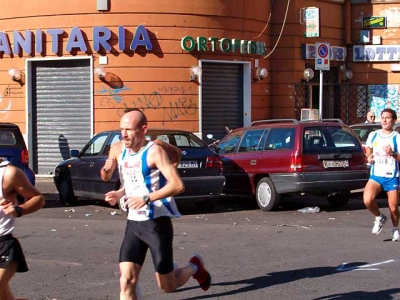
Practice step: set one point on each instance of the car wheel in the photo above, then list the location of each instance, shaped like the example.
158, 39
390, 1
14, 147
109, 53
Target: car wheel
338, 199
266, 196
66, 193
207, 205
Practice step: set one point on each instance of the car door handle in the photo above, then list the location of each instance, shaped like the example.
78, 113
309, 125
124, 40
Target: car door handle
253, 162
91, 164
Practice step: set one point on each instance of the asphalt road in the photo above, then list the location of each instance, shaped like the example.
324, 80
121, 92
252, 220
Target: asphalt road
72, 252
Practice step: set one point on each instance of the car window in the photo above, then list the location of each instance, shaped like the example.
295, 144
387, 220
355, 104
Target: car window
230, 143
251, 141
179, 139
326, 139
115, 138
188, 141
7, 138
363, 131
280, 138
95, 145
262, 141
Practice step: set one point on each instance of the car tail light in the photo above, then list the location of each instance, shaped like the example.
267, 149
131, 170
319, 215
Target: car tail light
214, 162
296, 163
25, 156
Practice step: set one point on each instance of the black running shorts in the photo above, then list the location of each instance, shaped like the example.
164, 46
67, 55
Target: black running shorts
10, 249
156, 234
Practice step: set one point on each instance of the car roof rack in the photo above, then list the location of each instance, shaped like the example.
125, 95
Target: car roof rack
333, 120
325, 120
259, 122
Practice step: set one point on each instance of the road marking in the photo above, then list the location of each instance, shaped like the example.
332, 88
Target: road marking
365, 267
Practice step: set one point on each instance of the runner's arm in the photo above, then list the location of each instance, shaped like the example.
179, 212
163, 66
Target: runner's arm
173, 152
110, 164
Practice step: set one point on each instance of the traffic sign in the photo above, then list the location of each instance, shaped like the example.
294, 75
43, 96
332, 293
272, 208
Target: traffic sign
322, 56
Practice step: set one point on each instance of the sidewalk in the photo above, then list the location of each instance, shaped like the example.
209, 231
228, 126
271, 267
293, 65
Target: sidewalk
45, 184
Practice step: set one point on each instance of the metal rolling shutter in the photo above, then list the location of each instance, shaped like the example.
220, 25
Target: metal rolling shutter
222, 98
61, 111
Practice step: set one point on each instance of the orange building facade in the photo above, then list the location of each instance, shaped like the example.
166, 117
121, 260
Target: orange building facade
69, 71
82, 64
364, 67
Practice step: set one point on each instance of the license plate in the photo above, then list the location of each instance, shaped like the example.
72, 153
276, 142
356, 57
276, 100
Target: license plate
335, 163
188, 164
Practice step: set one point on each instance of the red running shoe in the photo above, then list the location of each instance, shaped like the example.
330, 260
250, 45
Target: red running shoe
202, 275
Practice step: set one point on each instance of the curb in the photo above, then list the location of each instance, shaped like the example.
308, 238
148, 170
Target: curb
44, 178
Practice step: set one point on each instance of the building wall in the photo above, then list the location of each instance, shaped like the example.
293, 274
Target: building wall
156, 81
376, 72
287, 62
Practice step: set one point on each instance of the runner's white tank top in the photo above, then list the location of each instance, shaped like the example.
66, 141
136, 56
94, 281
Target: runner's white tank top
139, 179
384, 165
6, 221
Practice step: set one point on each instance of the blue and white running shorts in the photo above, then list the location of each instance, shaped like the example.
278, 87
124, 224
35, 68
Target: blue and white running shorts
388, 184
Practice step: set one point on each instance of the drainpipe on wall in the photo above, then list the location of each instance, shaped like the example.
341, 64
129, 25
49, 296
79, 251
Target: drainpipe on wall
347, 27
347, 24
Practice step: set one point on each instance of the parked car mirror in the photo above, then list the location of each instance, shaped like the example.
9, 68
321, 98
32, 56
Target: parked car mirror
74, 153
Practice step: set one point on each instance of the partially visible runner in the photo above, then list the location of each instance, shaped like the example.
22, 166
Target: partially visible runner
13, 181
150, 182
382, 153
370, 117
174, 153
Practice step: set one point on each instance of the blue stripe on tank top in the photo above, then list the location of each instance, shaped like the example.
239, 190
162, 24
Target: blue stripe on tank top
146, 171
165, 201
151, 210
123, 154
395, 151
147, 181
168, 206
162, 181
372, 141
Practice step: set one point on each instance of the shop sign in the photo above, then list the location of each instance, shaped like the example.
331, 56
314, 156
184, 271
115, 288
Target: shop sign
225, 45
336, 53
378, 53
311, 21
76, 40
374, 22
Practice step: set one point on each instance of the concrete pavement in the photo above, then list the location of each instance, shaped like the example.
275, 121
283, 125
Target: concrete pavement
45, 184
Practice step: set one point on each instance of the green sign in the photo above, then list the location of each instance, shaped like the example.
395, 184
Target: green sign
374, 22
202, 43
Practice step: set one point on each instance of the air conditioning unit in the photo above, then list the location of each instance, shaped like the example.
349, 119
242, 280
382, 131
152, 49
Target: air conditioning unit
309, 114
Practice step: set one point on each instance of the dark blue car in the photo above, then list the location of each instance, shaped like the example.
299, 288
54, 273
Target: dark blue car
200, 168
13, 149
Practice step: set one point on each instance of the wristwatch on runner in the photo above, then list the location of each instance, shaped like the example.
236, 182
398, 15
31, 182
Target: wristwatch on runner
146, 199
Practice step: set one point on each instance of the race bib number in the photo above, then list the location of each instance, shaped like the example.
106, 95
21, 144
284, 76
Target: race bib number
384, 166
384, 160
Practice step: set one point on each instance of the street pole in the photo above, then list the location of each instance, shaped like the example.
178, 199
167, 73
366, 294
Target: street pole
322, 63
347, 102
321, 80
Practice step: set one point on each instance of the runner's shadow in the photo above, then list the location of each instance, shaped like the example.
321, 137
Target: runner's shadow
361, 295
271, 279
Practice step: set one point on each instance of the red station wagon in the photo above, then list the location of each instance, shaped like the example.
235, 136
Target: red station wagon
285, 156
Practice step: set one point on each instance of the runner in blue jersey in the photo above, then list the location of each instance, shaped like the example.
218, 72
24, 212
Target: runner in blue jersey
382, 153
150, 182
